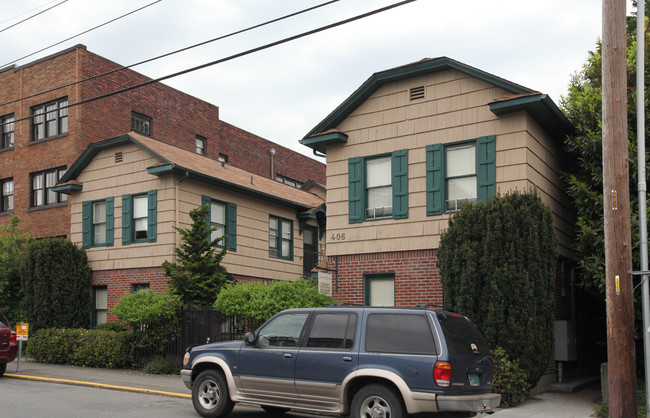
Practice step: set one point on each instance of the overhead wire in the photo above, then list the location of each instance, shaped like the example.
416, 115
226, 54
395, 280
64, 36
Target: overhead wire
28, 11
259, 25
79, 34
229, 58
32, 16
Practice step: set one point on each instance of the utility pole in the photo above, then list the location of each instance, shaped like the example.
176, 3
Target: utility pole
616, 196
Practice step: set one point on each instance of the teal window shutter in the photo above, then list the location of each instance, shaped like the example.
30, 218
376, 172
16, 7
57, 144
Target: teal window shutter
127, 219
207, 200
355, 190
400, 182
110, 220
231, 226
486, 167
435, 179
152, 215
87, 224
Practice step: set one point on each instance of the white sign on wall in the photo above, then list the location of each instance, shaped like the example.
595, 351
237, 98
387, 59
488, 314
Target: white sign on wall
325, 283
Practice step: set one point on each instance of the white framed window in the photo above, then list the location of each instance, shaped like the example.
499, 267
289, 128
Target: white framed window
460, 176
379, 188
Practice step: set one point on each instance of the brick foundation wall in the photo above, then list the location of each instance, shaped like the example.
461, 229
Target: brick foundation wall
417, 278
119, 283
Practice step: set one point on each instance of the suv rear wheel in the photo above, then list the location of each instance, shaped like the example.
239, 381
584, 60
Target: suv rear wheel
376, 401
210, 395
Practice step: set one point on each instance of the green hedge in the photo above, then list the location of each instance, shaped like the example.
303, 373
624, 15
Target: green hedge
81, 347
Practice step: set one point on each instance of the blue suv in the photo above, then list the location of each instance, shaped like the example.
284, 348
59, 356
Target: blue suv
366, 362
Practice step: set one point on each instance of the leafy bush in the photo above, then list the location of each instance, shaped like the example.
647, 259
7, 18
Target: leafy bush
13, 242
52, 345
111, 326
151, 316
259, 301
97, 348
509, 379
162, 365
56, 285
80, 347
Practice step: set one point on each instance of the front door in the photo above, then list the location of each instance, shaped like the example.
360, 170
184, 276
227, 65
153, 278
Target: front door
266, 369
328, 356
310, 249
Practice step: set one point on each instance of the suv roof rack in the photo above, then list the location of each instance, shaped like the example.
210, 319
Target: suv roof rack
340, 304
432, 306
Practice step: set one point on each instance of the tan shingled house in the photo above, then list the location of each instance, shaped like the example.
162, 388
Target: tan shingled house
406, 149
128, 193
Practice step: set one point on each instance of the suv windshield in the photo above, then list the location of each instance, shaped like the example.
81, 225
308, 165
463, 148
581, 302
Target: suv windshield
461, 335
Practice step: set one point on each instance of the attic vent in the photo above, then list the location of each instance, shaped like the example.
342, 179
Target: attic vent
417, 93
118, 157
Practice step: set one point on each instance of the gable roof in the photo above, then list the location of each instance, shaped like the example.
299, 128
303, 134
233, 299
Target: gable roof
174, 160
327, 127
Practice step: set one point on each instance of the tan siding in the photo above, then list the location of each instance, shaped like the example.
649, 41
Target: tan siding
456, 108
103, 178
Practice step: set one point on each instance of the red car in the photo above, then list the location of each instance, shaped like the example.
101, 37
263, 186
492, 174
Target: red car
8, 344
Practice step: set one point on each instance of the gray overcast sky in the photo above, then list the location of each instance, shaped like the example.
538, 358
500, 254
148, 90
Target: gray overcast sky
283, 92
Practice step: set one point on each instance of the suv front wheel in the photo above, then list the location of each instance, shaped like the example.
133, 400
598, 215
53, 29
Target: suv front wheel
376, 401
210, 395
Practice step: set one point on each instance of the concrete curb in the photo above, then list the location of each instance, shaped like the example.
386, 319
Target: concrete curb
99, 385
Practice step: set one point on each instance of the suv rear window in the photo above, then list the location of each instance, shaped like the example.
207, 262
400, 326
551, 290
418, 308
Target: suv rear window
399, 333
461, 335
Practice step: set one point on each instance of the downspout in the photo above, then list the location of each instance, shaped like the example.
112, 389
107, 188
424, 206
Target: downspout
272, 153
177, 214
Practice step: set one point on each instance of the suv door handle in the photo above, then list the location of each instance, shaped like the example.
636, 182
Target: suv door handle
347, 358
287, 355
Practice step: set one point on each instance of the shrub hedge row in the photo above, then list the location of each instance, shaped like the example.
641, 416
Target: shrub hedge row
81, 347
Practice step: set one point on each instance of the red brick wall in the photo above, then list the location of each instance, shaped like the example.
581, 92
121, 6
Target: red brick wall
417, 278
177, 119
118, 283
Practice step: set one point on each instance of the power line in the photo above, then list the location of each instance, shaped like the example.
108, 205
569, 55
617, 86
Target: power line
229, 58
173, 52
79, 34
28, 11
32, 16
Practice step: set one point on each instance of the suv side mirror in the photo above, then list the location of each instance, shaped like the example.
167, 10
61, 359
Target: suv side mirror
249, 338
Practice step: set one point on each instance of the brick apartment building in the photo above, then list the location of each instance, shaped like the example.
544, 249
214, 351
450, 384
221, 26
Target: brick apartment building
48, 119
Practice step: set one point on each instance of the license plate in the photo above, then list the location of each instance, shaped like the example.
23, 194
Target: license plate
473, 380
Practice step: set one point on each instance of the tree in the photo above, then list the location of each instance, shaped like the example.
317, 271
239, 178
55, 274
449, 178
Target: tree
582, 106
199, 275
12, 247
259, 301
56, 281
497, 261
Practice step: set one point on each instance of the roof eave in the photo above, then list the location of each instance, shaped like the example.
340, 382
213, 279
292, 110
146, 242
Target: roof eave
540, 107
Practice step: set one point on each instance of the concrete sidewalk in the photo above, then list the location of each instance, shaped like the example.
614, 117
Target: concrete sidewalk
575, 400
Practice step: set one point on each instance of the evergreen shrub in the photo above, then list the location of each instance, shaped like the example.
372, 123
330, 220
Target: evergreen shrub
497, 260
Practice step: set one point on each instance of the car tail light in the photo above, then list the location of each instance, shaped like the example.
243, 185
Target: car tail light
12, 338
442, 374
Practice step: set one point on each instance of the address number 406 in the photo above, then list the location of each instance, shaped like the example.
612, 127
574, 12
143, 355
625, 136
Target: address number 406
337, 237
